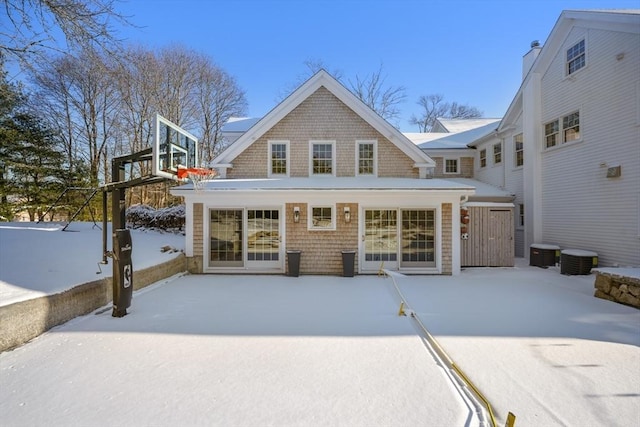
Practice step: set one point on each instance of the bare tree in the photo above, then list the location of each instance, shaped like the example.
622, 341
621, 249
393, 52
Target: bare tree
381, 98
78, 94
312, 66
31, 25
371, 89
434, 107
219, 98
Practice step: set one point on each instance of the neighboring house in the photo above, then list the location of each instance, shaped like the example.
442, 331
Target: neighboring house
568, 146
323, 173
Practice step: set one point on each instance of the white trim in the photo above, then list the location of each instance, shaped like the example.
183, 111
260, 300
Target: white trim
493, 153
323, 79
311, 206
375, 156
444, 165
568, 75
334, 162
270, 144
515, 151
155, 157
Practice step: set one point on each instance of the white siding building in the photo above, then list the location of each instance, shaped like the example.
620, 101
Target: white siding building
577, 115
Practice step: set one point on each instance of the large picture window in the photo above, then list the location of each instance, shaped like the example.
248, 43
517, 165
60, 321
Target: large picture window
322, 158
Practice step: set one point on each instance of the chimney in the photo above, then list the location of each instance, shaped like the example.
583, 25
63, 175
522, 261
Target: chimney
530, 57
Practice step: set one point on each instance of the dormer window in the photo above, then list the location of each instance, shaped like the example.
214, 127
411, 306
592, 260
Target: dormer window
576, 57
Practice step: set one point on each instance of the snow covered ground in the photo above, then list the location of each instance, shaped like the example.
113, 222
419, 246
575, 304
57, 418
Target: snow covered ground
316, 351
40, 259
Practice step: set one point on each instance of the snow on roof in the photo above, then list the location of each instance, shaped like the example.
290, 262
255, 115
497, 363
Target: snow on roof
239, 124
422, 137
334, 183
462, 125
460, 140
483, 190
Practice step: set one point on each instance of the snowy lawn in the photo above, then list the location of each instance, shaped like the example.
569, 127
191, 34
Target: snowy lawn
315, 351
234, 351
40, 259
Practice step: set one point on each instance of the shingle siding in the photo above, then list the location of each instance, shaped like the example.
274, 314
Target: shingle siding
322, 116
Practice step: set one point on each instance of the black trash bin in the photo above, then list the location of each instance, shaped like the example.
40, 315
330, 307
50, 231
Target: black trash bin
293, 263
348, 263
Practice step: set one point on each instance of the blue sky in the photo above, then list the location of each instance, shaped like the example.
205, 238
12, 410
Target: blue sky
469, 51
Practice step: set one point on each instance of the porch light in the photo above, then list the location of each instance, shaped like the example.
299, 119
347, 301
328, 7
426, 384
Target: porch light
347, 214
296, 214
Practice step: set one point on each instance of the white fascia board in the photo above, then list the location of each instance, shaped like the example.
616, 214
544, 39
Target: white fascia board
322, 78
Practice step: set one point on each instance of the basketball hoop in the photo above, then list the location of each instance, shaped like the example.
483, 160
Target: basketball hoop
197, 176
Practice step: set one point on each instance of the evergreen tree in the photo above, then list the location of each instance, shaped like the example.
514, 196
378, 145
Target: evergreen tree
33, 165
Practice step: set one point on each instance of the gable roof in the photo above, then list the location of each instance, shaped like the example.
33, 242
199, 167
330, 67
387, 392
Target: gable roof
323, 79
623, 20
461, 140
462, 125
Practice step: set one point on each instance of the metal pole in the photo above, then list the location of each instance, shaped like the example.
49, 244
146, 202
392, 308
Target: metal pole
104, 226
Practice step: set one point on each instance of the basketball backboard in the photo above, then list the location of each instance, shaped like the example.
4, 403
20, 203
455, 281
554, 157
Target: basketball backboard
172, 147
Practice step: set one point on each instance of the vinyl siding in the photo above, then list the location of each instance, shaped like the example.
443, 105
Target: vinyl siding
581, 208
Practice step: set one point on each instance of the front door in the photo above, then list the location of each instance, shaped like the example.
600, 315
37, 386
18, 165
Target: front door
263, 238
225, 238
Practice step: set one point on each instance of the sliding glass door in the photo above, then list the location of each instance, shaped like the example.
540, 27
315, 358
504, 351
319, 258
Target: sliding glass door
398, 238
244, 238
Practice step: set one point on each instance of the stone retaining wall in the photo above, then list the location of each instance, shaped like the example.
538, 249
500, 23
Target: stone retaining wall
618, 288
25, 320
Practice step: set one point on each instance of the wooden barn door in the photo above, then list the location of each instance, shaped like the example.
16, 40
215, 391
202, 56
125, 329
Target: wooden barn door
500, 238
490, 238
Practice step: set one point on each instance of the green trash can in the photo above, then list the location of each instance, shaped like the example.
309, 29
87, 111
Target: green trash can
348, 263
293, 263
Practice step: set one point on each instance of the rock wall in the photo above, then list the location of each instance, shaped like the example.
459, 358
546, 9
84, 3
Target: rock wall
618, 287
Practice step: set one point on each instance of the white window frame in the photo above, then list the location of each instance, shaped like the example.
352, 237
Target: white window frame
568, 62
557, 134
493, 152
333, 157
564, 130
481, 157
331, 227
444, 165
270, 158
374, 142
516, 150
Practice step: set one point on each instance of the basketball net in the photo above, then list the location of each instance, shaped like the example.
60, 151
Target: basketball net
197, 176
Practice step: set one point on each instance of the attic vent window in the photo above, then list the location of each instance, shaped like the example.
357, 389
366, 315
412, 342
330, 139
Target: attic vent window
576, 57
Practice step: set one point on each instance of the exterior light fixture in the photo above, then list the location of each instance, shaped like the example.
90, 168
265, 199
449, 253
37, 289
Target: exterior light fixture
347, 214
296, 214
